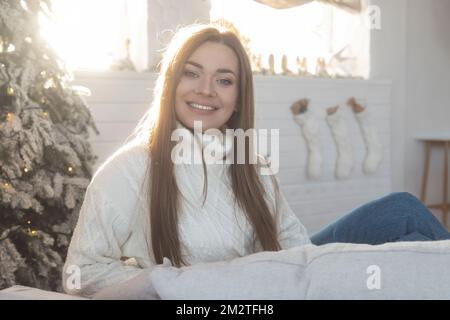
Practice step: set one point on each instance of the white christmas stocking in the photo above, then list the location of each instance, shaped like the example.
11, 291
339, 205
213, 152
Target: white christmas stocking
344, 147
311, 132
374, 148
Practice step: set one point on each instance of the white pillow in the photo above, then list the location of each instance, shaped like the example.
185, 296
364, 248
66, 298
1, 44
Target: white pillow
401, 270
265, 275
18, 292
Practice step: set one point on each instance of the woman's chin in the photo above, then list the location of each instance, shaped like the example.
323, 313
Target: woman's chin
201, 124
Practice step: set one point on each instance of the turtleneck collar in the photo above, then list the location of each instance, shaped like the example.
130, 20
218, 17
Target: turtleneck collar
214, 144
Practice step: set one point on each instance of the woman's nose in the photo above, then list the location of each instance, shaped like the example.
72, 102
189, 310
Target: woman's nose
206, 87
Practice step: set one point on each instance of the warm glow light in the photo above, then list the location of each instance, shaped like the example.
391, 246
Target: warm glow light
297, 32
86, 33
70, 169
313, 30
24, 4
10, 91
92, 34
11, 48
49, 84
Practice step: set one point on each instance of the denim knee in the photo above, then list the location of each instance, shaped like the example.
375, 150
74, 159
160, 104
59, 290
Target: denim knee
406, 200
402, 196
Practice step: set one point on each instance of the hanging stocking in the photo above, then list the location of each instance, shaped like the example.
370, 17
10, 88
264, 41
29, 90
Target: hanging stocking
338, 127
311, 132
374, 147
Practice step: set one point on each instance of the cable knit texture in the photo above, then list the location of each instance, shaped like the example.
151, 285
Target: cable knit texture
310, 125
374, 154
344, 147
114, 221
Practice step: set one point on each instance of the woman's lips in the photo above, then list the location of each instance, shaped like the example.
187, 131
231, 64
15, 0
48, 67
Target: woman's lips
201, 108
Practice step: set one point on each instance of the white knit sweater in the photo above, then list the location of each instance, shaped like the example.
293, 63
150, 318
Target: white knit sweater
114, 221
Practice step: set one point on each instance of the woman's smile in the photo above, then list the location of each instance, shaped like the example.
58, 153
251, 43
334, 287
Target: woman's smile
201, 108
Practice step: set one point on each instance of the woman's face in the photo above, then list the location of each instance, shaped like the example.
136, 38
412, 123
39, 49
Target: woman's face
208, 87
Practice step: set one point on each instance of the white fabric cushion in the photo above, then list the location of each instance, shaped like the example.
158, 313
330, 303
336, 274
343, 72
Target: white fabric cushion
18, 292
401, 270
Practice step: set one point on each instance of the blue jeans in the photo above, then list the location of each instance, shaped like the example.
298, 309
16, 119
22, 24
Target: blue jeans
396, 217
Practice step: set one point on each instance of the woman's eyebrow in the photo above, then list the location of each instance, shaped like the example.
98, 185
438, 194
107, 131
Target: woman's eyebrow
220, 70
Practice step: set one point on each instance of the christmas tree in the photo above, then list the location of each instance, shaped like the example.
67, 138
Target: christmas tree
45, 157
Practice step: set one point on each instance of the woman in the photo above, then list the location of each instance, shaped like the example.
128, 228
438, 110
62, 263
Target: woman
142, 206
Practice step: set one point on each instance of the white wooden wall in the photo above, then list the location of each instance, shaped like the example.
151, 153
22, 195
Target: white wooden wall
319, 202
118, 100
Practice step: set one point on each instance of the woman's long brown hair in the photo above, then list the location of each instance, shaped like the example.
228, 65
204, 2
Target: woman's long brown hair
249, 191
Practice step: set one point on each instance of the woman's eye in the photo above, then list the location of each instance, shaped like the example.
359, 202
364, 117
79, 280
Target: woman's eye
190, 74
225, 82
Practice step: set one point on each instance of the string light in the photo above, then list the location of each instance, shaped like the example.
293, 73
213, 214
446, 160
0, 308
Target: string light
43, 74
9, 116
33, 233
10, 91
49, 84
45, 113
6, 185
29, 221
70, 169
11, 48
23, 4
28, 39
26, 170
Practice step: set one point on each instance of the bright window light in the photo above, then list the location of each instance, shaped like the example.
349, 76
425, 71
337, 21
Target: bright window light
92, 34
314, 30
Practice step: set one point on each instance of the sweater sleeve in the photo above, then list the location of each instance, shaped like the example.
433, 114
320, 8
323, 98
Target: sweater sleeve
104, 225
291, 232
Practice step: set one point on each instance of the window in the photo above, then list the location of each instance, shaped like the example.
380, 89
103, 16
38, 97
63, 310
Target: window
305, 34
99, 34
